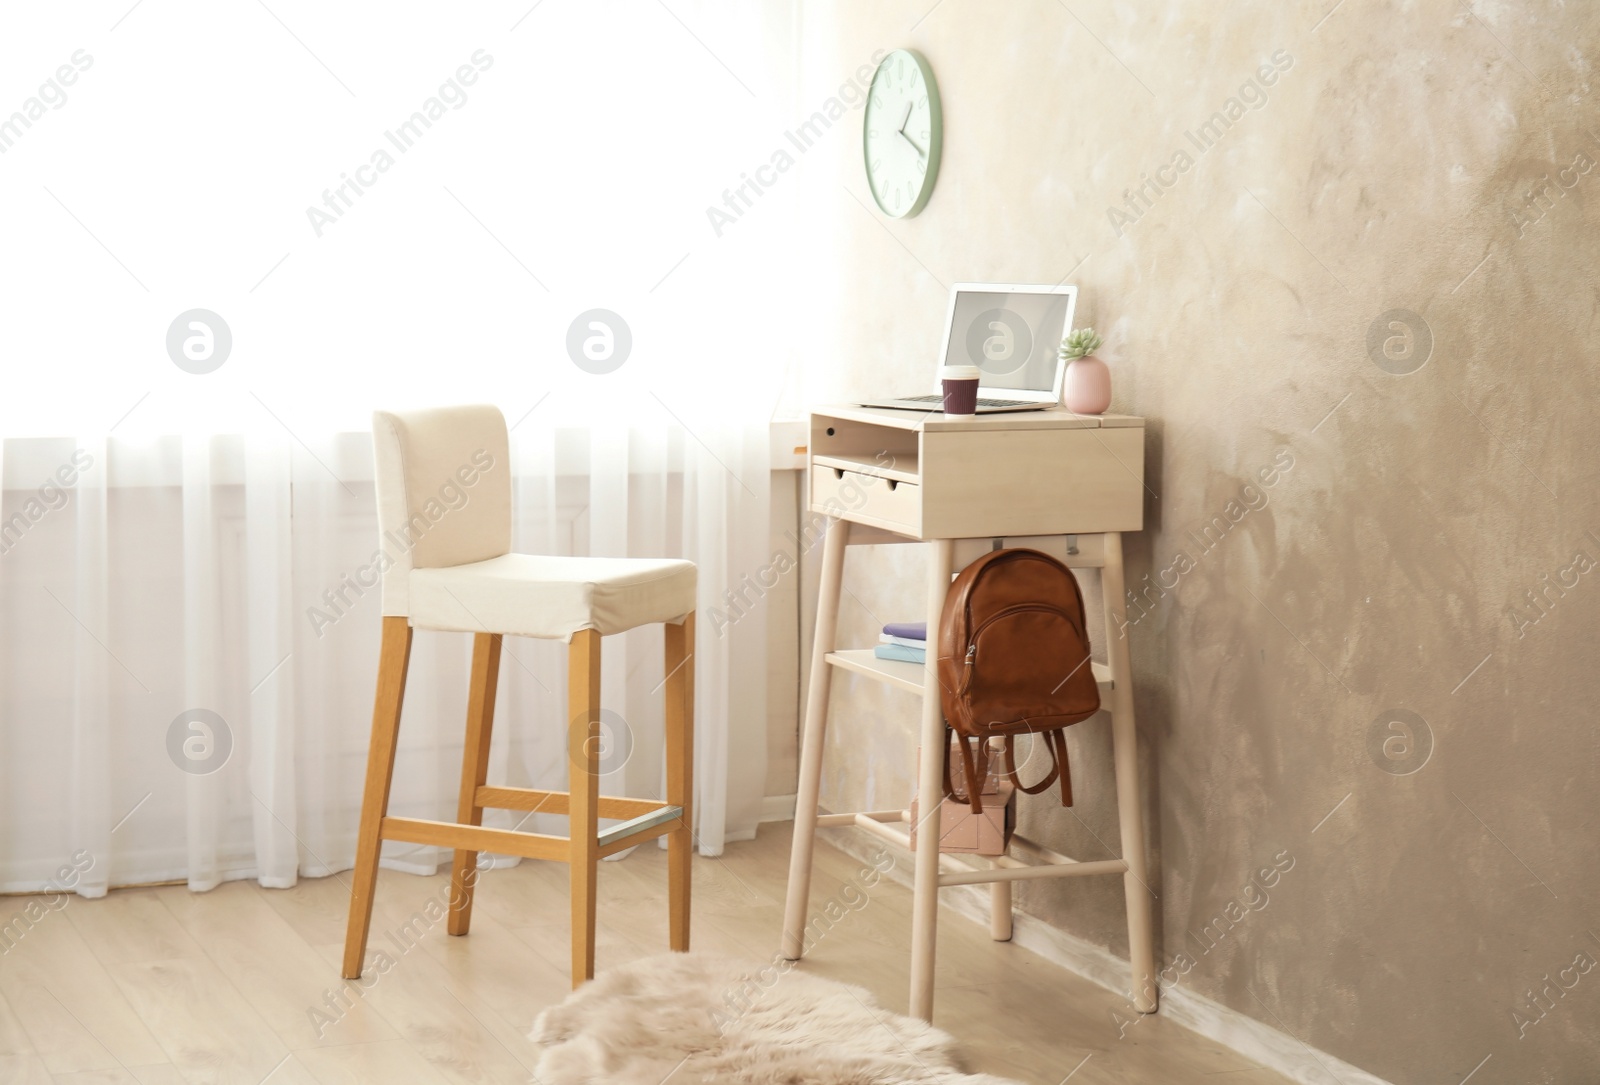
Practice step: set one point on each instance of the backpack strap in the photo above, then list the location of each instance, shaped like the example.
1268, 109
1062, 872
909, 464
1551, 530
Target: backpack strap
1056, 764
1059, 750
972, 798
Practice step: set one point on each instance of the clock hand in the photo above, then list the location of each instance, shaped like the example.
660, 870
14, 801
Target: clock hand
906, 119
914, 147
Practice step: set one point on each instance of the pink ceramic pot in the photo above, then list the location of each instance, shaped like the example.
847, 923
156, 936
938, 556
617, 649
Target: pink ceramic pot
1088, 389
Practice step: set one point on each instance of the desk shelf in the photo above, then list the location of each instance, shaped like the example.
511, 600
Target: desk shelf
960, 869
902, 467
908, 676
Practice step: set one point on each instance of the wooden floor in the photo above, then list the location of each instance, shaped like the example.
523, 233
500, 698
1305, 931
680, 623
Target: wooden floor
241, 985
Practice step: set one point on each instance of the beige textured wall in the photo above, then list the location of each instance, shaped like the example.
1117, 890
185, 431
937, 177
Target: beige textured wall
1386, 169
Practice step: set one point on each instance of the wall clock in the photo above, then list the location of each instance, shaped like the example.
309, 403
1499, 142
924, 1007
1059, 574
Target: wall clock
902, 134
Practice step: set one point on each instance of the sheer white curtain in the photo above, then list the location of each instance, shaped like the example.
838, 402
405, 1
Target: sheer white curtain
188, 609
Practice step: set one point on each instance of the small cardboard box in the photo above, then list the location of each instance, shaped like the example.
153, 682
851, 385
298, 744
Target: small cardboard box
962, 831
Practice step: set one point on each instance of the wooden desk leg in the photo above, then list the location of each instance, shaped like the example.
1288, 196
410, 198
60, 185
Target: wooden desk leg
1000, 919
999, 910
811, 742
1130, 809
930, 796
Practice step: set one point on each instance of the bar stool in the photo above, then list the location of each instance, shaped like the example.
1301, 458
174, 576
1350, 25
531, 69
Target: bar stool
444, 512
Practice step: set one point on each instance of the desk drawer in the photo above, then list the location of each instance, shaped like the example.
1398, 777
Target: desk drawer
866, 498
1032, 482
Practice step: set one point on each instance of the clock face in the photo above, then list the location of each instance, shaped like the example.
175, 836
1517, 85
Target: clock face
902, 134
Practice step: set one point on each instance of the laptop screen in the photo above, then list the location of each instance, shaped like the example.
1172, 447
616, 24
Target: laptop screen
1012, 337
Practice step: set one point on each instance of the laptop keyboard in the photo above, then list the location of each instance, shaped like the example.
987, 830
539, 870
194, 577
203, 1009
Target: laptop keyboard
982, 402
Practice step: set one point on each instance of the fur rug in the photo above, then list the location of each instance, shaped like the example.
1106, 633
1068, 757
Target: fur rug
690, 1019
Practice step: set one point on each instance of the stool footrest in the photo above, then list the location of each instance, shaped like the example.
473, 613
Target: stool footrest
644, 827
449, 834
662, 819
556, 802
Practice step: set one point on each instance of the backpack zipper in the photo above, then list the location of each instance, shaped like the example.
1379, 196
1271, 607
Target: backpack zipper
972, 645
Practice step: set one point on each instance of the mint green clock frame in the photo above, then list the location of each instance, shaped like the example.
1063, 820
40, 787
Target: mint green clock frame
902, 134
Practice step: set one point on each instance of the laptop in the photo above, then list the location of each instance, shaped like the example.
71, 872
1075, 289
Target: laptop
1013, 335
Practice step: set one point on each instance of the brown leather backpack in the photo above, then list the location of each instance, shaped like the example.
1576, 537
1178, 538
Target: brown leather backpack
1014, 659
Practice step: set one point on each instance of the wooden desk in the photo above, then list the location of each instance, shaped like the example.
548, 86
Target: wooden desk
1068, 484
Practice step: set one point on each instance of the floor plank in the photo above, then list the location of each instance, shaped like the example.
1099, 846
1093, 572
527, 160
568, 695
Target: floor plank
208, 1029
277, 972
131, 926
165, 1075
23, 1070
13, 1037
72, 1012
462, 1045
119, 1076
359, 1064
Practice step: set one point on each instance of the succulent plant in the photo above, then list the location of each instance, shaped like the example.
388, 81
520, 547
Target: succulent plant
1082, 342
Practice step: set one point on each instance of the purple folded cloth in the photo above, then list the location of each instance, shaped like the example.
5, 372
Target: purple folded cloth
907, 630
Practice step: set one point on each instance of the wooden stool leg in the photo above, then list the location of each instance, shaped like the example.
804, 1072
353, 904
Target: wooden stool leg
930, 797
393, 658
583, 788
816, 726
680, 777
1130, 810
474, 772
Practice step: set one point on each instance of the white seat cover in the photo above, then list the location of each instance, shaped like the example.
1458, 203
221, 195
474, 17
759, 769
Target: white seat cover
530, 595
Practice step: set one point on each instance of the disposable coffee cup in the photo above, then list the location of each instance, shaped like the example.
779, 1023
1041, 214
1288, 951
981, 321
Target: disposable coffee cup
960, 390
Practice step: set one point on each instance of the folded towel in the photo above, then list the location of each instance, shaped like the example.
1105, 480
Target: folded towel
904, 642
901, 653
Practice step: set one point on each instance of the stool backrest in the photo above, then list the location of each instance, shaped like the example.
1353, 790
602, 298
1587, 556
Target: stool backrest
444, 491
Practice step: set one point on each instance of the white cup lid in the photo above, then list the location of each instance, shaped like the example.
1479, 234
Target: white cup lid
960, 373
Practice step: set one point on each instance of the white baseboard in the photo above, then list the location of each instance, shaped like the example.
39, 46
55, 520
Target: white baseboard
777, 808
1256, 1041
